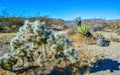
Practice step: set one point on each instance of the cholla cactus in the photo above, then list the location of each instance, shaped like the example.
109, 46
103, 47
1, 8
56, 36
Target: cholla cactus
63, 47
34, 45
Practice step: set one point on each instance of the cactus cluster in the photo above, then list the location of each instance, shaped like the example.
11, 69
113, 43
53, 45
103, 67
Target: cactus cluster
34, 45
63, 47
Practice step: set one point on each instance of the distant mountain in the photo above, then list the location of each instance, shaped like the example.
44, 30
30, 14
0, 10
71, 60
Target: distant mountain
100, 20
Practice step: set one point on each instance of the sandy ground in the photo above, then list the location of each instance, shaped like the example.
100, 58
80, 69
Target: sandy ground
109, 35
110, 63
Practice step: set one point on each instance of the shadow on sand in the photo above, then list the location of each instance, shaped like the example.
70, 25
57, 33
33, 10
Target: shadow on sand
101, 65
105, 64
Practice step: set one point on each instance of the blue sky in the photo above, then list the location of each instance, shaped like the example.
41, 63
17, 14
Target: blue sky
65, 9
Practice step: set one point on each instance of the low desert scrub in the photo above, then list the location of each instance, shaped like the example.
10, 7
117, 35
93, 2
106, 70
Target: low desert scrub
112, 36
3, 72
118, 31
34, 46
84, 34
97, 27
6, 37
86, 59
115, 39
70, 31
77, 38
112, 25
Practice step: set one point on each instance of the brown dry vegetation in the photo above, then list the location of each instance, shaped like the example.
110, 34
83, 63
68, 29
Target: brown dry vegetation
78, 38
12, 24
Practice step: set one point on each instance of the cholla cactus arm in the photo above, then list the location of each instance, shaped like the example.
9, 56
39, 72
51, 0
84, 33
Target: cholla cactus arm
7, 62
63, 45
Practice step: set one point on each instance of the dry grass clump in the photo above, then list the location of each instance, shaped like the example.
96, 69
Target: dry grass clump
114, 39
3, 72
77, 38
112, 36
86, 61
6, 37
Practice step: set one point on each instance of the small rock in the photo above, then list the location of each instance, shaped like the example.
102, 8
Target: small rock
103, 42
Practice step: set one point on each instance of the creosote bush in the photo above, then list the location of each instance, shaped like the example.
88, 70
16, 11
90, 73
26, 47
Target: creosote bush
35, 46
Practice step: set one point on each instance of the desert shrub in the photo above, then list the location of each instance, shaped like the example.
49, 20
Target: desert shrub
1, 28
118, 31
101, 41
70, 31
83, 30
105, 24
5, 39
11, 24
112, 38
16, 22
77, 38
78, 21
114, 26
97, 27
35, 46
68, 25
